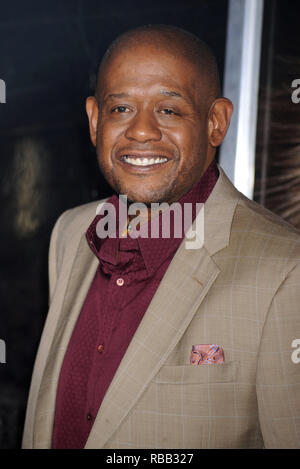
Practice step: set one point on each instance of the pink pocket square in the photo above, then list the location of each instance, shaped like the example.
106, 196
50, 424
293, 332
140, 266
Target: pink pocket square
207, 354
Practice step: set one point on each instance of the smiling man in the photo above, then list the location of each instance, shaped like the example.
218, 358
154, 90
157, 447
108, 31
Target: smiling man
148, 344
150, 114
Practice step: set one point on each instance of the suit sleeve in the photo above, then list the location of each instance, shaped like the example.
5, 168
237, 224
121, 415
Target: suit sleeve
278, 371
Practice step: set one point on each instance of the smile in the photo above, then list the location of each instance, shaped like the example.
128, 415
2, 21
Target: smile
144, 161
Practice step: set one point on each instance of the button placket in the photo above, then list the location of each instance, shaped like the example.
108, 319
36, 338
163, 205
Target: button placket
112, 309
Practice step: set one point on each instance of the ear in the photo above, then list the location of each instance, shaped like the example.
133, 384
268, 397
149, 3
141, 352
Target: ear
92, 111
218, 120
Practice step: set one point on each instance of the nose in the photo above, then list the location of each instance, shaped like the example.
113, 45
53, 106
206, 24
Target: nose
143, 128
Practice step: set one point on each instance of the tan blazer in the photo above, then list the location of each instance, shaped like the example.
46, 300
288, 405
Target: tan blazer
240, 291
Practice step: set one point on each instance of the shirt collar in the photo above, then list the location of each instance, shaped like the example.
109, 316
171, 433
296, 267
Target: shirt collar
154, 251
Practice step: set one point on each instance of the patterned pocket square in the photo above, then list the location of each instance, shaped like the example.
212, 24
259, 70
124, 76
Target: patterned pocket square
208, 354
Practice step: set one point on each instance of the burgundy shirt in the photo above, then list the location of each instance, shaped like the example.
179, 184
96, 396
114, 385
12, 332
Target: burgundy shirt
129, 273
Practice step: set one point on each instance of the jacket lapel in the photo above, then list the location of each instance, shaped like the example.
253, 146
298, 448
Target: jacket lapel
184, 286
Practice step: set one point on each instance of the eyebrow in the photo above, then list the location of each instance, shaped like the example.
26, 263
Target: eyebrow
175, 94
116, 95
171, 93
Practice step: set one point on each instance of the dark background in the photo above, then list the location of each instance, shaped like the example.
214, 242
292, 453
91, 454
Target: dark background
49, 53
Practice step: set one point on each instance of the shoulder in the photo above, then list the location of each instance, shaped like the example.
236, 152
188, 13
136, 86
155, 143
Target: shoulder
265, 225
251, 221
257, 237
266, 246
246, 229
73, 223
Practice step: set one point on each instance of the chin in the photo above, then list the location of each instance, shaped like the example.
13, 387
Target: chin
140, 193
141, 198
136, 198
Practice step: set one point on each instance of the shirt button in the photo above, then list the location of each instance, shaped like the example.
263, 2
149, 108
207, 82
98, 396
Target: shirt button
100, 348
89, 417
120, 282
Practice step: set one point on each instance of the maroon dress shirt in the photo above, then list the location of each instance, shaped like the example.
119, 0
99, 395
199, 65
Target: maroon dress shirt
129, 273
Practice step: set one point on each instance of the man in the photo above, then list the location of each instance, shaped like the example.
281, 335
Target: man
149, 344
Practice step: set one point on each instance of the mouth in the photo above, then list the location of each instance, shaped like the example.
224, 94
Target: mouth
144, 161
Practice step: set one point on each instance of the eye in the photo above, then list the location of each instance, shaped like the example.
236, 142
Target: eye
168, 112
120, 109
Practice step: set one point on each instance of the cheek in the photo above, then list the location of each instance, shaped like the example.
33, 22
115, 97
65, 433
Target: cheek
192, 149
187, 136
106, 135
107, 138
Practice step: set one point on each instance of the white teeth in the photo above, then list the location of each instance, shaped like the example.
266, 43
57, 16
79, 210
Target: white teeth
144, 161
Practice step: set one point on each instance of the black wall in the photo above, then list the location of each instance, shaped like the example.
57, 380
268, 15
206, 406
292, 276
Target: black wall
49, 52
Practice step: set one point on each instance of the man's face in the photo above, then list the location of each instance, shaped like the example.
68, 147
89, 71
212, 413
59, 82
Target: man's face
152, 125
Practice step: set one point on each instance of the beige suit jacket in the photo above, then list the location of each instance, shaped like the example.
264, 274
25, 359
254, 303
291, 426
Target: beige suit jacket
240, 291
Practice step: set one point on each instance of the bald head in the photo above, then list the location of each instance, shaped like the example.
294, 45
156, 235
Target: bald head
174, 41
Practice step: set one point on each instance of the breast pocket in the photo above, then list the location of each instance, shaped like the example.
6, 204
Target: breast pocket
196, 391
190, 405
201, 374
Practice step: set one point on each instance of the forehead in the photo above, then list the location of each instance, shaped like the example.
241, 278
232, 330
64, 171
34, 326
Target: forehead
148, 65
